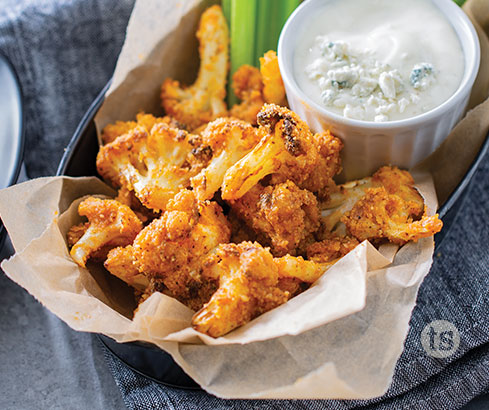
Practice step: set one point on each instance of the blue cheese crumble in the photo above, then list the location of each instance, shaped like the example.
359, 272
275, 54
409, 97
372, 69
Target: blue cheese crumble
361, 86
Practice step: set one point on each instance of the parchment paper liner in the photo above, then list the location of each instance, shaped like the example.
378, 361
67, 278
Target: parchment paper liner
307, 353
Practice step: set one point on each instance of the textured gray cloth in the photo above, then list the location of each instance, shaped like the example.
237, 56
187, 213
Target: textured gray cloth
65, 51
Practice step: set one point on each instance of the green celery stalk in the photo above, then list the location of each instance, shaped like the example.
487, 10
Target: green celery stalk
226, 9
243, 23
288, 7
272, 15
263, 29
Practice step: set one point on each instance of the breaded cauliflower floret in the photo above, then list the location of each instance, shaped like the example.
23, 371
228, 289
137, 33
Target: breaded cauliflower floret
152, 164
329, 164
380, 215
110, 224
288, 150
171, 249
284, 213
295, 267
248, 87
112, 131
129, 198
273, 85
331, 248
248, 286
400, 183
395, 181
204, 100
256, 87
228, 141
120, 263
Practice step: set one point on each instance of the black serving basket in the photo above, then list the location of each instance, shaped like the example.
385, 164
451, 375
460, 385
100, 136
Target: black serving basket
147, 359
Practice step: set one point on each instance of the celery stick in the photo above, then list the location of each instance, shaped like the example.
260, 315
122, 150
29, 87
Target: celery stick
263, 30
226, 10
243, 23
275, 25
288, 7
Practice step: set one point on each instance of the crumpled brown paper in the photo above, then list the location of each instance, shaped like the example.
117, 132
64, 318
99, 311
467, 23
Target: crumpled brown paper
339, 339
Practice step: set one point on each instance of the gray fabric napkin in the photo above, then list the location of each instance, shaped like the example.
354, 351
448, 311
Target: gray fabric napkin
64, 52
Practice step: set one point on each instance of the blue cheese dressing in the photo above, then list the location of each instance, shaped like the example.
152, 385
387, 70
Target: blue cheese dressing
379, 60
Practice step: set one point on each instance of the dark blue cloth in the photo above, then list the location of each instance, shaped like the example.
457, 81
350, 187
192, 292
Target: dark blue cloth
64, 52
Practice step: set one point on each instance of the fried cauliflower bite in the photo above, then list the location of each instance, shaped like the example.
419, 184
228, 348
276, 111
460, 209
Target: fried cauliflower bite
248, 87
328, 165
228, 140
332, 248
120, 263
296, 267
380, 215
283, 213
400, 183
248, 286
171, 249
110, 224
126, 197
112, 131
396, 182
273, 85
288, 150
155, 165
204, 100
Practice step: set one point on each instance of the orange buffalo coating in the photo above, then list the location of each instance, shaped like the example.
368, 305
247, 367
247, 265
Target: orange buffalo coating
288, 150
283, 213
380, 215
248, 287
110, 224
171, 249
112, 131
203, 101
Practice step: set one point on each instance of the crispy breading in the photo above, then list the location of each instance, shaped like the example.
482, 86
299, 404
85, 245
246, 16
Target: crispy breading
112, 131
120, 263
273, 85
283, 213
396, 182
296, 267
111, 224
380, 215
126, 197
228, 140
204, 100
171, 249
331, 248
248, 287
248, 87
288, 150
401, 183
155, 165
328, 164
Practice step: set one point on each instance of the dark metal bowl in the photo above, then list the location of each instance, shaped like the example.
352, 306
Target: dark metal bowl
146, 359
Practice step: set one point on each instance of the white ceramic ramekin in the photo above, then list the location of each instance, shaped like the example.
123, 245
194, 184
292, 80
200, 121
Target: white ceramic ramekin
370, 145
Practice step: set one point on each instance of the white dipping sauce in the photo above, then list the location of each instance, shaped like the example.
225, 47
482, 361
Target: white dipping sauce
379, 60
